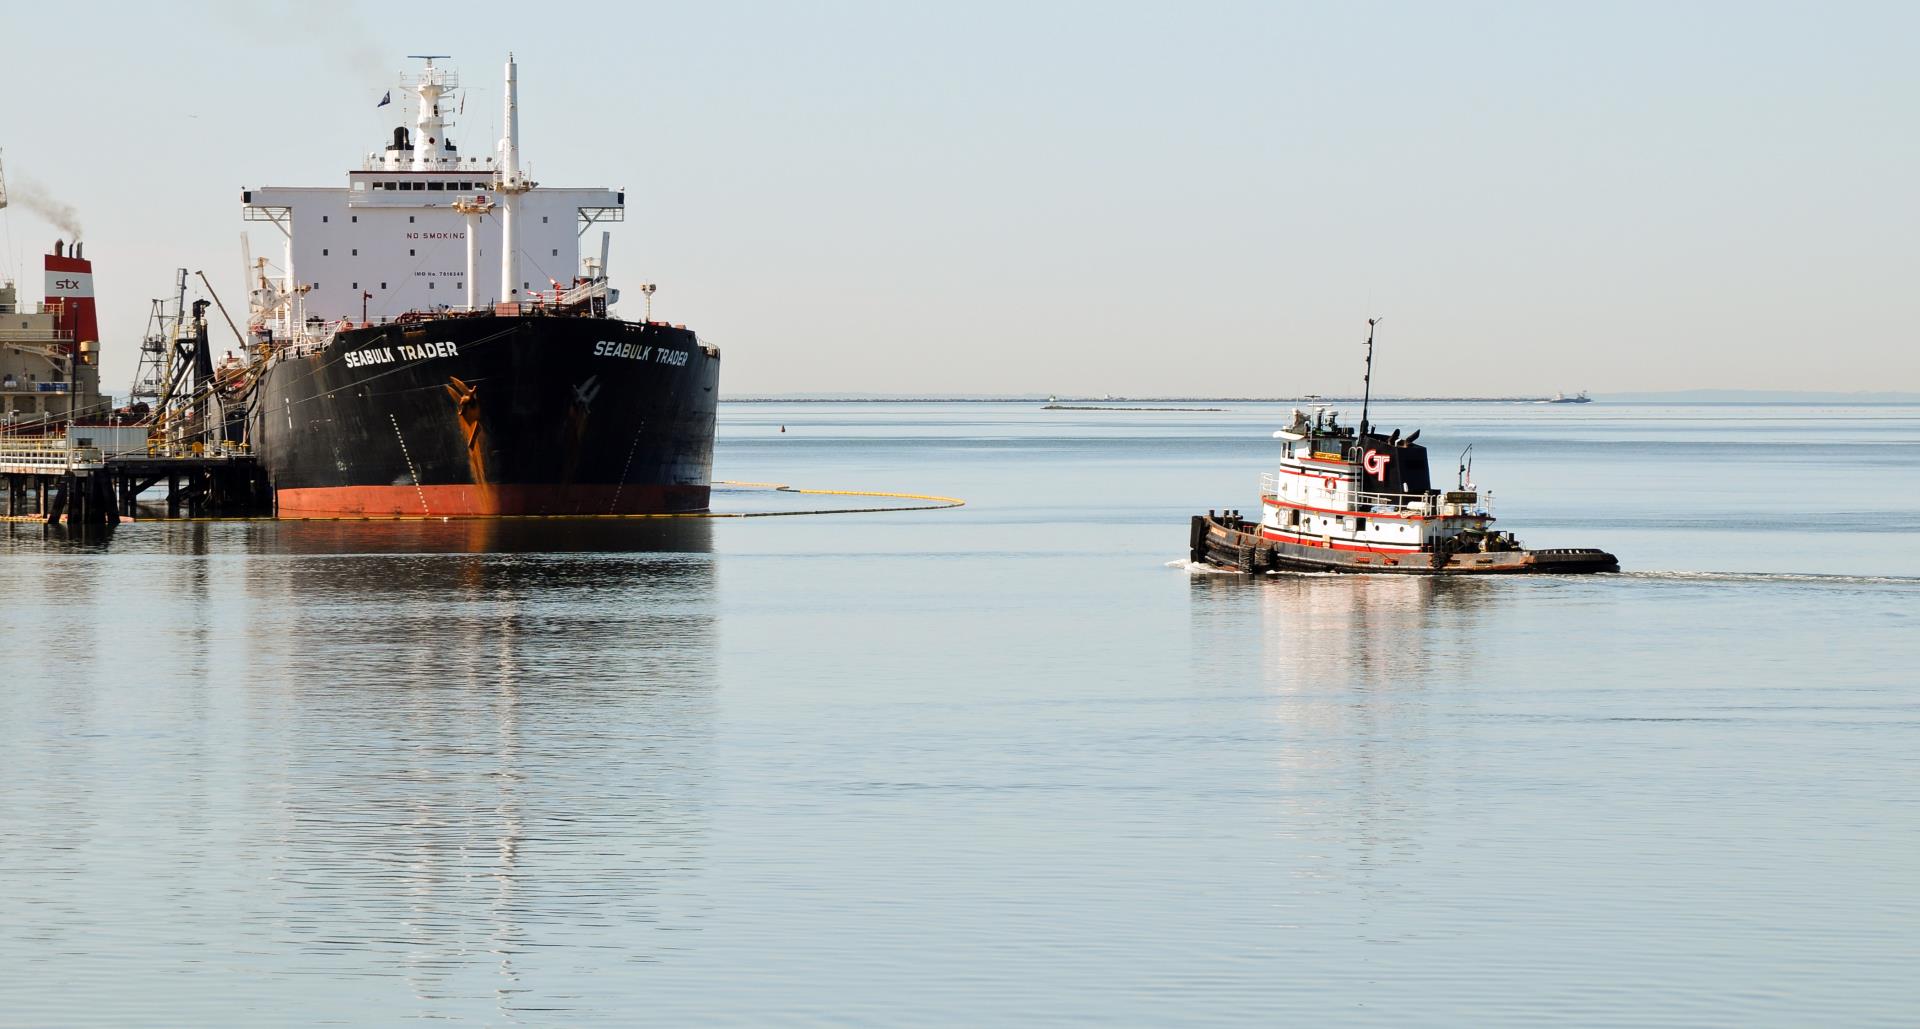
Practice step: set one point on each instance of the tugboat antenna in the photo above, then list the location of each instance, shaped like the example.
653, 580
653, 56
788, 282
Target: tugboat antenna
1366, 384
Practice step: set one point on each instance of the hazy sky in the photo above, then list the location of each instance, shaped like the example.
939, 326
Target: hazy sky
1080, 197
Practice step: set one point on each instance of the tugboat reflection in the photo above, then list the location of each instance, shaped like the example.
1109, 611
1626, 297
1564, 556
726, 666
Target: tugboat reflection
1359, 676
1374, 632
511, 749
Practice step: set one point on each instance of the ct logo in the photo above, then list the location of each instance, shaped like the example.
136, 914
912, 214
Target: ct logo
1376, 464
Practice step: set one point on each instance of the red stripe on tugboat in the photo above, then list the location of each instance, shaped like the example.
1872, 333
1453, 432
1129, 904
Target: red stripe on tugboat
1322, 476
1276, 502
1314, 541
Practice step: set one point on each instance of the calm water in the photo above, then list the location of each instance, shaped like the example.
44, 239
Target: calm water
992, 765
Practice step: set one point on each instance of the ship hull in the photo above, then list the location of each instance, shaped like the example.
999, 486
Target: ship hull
1232, 543
490, 416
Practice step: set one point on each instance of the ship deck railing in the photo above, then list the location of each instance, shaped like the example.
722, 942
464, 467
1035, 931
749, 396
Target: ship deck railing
1436, 504
47, 454
56, 455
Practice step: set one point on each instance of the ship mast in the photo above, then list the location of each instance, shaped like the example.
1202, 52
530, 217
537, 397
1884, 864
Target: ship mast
1366, 383
509, 183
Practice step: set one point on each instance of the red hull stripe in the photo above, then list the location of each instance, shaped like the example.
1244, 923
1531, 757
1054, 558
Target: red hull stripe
1309, 541
1276, 502
1323, 476
465, 500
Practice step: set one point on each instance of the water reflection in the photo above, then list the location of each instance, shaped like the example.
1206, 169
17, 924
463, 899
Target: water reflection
507, 740
1360, 671
1375, 633
484, 536
442, 752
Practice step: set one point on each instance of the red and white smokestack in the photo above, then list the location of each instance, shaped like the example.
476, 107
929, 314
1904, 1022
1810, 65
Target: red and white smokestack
70, 285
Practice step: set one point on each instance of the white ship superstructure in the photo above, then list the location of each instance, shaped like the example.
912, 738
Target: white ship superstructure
422, 226
1338, 489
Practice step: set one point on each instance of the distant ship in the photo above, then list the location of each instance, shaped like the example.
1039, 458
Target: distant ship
1352, 499
391, 377
1578, 398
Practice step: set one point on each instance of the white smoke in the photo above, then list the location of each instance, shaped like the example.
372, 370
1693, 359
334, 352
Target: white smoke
34, 197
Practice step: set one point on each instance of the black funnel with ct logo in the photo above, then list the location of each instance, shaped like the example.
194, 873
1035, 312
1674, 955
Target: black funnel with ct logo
1393, 467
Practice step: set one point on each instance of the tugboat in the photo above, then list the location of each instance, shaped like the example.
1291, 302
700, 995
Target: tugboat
1578, 398
1350, 499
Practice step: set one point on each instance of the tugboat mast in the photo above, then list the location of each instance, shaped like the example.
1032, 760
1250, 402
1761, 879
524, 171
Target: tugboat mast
1366, 383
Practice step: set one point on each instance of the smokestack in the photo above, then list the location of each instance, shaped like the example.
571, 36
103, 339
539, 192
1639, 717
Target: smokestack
70, 283
59, 247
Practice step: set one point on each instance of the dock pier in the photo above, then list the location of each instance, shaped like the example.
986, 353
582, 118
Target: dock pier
55, 478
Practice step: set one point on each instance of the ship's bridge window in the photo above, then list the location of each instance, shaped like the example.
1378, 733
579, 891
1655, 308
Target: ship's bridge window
436, 185
375, 185
393, 185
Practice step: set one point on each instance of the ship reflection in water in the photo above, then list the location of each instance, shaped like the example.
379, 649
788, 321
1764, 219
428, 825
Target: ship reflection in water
469, 741
514, 748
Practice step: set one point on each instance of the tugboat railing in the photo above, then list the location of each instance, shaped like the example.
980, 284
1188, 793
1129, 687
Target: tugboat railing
1437, 503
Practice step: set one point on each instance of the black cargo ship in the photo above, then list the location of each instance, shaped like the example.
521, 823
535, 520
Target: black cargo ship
490, 415
393, 377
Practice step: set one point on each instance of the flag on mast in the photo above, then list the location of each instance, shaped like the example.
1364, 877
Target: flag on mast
385, 100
